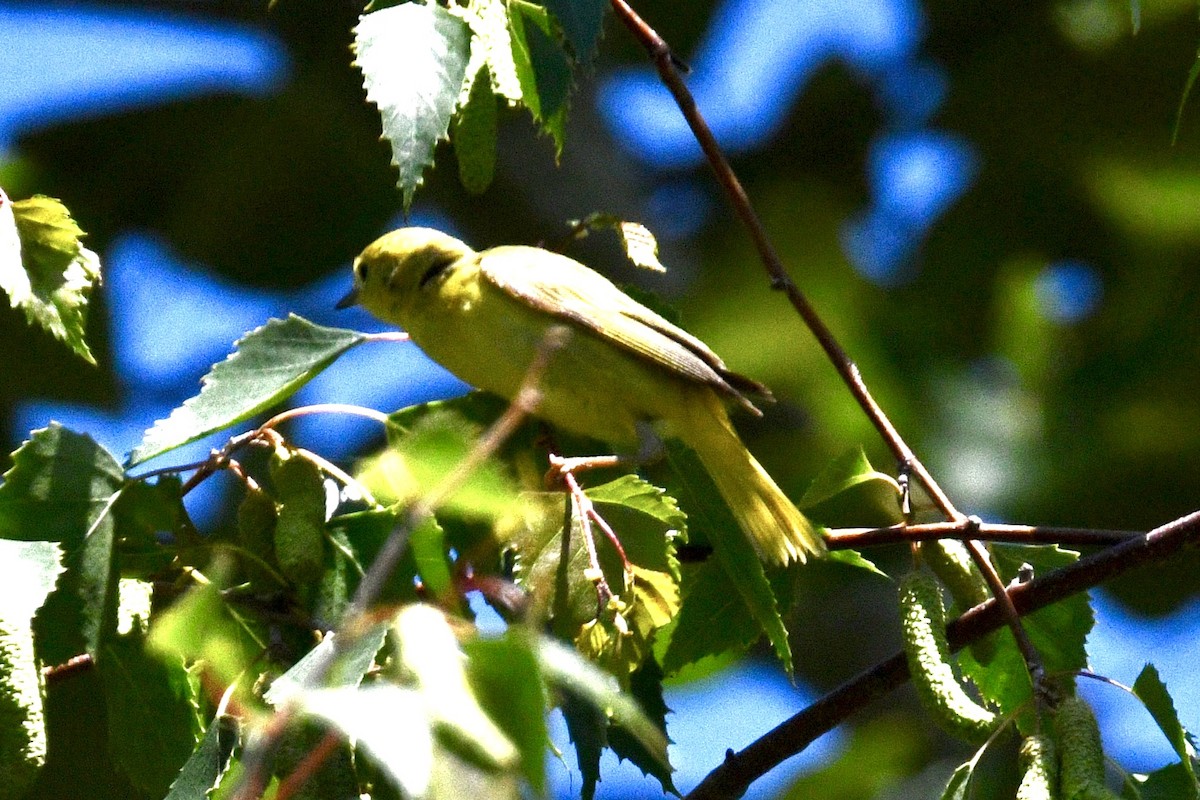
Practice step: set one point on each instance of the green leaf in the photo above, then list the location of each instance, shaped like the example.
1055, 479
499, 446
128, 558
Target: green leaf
711, 517
506, 678
646, 522
474, 135
350, 664
81, 612
27, 571
267, 366
1058, 632
491, 46
151, 712
567, 670
1153, 693
714, 618
201, 627
299, 540
957, 788
414, 59
46, 270
580, 21
430, 654
542, 68
587, 728
646, 687
429, 447
850, 492
1172, 782
1188, 85
208, 762
60, 485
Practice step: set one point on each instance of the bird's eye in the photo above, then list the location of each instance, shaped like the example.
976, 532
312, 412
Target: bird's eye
361, 269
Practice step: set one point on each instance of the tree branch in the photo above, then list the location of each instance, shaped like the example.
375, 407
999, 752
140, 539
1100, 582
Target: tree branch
734, 776
859, 538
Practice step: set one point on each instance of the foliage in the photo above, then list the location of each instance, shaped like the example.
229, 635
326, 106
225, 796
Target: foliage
320, 640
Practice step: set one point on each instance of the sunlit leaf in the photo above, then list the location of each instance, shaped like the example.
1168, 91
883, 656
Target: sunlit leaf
850, 492
208, 762
27, 571
49, 274
413, 58
506, 679
1150, 689
201, 627
430, 446
267, 366
542, 68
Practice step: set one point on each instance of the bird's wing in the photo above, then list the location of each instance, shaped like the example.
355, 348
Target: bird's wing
564, 288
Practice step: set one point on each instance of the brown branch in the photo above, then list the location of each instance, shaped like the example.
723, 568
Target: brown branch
734, 776
668, 71
660, 52
859, 538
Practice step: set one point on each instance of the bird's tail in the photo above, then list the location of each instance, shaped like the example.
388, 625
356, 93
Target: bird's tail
779, 532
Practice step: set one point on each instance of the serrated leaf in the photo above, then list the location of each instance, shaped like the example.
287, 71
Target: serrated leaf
713, 619
267, 366
587, 728
413, 59
580, 21
81, 612
491, 46
506, 679
646, 522
542, 68
564, 668
733, 551
1153, 693
60, 484
1058, 632
849, 491
27, 571
474, 135
208, 762
53, 274
646, 687
151, 712
1172, 782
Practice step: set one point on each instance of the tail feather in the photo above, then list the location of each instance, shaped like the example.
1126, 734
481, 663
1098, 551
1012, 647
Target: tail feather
779, 532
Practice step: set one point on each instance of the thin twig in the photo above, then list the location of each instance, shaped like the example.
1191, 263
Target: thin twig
660, 52
739, 770
858, 538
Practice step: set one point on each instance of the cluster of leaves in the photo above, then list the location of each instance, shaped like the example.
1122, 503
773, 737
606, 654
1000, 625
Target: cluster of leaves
439, 71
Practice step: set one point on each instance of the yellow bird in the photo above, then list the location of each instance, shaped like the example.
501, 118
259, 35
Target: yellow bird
483, 315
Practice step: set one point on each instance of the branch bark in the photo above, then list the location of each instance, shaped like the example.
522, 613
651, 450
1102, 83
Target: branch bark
739, 770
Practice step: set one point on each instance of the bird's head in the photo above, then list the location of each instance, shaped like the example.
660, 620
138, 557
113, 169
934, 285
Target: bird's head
389, 271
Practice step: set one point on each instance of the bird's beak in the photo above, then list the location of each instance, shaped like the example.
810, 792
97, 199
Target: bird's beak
351, 299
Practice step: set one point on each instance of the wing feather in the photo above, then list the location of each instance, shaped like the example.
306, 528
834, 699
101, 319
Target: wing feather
564, 288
